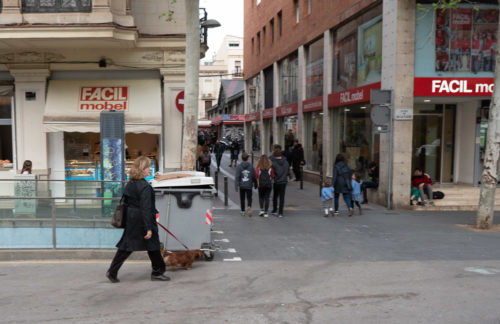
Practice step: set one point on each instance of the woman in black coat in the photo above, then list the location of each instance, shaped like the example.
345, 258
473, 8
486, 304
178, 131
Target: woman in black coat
341, 182
141, 230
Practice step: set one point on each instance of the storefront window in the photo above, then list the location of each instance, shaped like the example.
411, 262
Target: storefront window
290, 130
353, 133
358, 52
255, 136
254, 93
314, 140
5, 133
314, 70
288, 69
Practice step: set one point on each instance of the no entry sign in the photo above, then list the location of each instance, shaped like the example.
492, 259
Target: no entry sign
179, 101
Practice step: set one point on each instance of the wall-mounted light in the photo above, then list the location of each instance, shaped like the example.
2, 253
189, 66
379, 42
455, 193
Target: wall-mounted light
362, 107
427, 100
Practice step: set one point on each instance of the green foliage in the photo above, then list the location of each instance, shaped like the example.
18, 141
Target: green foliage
170, 13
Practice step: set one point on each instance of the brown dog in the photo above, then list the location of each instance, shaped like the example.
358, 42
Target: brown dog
182, 258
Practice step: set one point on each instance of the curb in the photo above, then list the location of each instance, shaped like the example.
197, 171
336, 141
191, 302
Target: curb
65, 254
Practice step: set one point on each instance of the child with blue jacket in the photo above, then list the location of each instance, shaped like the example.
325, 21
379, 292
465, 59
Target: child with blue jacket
327, 197
356, 191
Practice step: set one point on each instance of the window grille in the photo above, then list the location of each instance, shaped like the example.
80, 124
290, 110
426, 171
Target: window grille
48, 6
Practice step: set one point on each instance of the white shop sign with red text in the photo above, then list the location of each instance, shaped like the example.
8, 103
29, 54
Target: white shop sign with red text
453, 86
94, 99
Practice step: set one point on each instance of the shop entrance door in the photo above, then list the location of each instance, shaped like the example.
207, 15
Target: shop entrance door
433, 141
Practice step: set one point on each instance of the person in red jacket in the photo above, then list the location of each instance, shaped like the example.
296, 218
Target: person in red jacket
423, 182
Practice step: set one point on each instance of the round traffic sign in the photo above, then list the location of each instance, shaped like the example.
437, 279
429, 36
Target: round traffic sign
380, 115
179, 101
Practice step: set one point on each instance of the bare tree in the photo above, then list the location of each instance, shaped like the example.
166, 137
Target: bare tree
489, 178
190, 130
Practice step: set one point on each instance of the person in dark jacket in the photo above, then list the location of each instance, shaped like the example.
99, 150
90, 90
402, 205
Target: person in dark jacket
219, 149
235, 150
341, 181
297, 157
141, 230
245, 181
371, 182
281, 170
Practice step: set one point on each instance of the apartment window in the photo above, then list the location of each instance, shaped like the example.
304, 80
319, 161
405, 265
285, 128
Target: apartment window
280, 23
208, 104
237, 68
253, 43
57, 5
297, 11
271, 23
264, 36
234, 44
309, 7
258, 43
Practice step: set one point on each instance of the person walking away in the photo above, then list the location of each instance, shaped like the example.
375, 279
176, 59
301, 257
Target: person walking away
281, 170
297, 159
356, 192
424, 183
27, 165
245, 180
371, 182
235, 151
205, 160
219, 149
265, 174
341, 181
327, 197
141, 230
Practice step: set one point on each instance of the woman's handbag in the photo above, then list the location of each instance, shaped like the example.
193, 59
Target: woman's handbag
120, 214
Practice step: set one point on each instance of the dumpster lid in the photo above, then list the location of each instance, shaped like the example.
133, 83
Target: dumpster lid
182, 179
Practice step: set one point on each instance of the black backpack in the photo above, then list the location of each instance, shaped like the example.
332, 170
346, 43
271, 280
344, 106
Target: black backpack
438, 195
265, 179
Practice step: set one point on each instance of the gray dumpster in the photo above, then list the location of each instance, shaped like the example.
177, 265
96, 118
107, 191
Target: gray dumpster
183, 204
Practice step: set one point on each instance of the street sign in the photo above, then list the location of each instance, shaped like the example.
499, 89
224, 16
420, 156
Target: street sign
380, 97
403, 114
179, 101
380, 115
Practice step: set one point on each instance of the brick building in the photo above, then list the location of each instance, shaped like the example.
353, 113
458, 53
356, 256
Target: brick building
311, 66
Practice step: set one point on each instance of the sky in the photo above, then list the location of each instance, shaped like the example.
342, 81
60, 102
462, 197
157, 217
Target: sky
230, 15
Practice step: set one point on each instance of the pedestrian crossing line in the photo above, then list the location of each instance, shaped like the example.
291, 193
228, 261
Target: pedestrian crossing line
222, 240
229, 250
218, 232
233, 259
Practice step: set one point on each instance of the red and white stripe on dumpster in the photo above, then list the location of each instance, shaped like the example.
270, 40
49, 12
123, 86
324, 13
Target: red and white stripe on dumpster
208, 216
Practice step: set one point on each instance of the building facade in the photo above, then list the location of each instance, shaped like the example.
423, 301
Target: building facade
62, 63
227, 64
311, 66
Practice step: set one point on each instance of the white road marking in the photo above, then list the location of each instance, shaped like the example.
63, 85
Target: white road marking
230, 250
483, 271
218, 232
233, 259
223, 240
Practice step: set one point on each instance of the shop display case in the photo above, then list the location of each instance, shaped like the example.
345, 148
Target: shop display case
80, 170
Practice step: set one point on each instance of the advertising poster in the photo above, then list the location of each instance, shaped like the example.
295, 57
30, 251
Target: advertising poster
370, 52
465, 40
346, 76
112, 170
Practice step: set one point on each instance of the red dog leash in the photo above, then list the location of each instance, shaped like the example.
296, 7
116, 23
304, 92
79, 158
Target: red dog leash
172, 235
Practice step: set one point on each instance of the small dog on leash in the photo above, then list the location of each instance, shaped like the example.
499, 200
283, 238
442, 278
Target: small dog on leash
181, 258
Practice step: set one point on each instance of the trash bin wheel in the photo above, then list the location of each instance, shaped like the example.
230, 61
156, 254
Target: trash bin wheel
207, 251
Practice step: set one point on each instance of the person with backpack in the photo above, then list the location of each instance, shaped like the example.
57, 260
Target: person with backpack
244, 180
265, 175
205, 160
235, 150
281, 170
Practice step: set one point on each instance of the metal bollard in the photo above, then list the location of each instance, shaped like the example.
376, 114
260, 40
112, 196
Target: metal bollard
301, 177
252, 157
216, 181
226, 202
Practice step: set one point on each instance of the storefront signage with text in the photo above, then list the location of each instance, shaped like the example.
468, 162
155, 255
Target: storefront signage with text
103, 98
352, 96
453, 86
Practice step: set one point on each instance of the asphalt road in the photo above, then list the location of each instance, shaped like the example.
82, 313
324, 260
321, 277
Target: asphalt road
379, 267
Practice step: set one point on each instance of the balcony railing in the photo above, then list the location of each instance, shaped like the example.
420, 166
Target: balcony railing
56, 6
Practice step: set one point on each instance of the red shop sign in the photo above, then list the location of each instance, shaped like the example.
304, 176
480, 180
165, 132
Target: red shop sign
252, 116
352, 96
287, 110
312, 104
267, 113
103, 98
453, 86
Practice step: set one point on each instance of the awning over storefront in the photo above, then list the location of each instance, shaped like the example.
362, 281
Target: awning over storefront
75, 105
